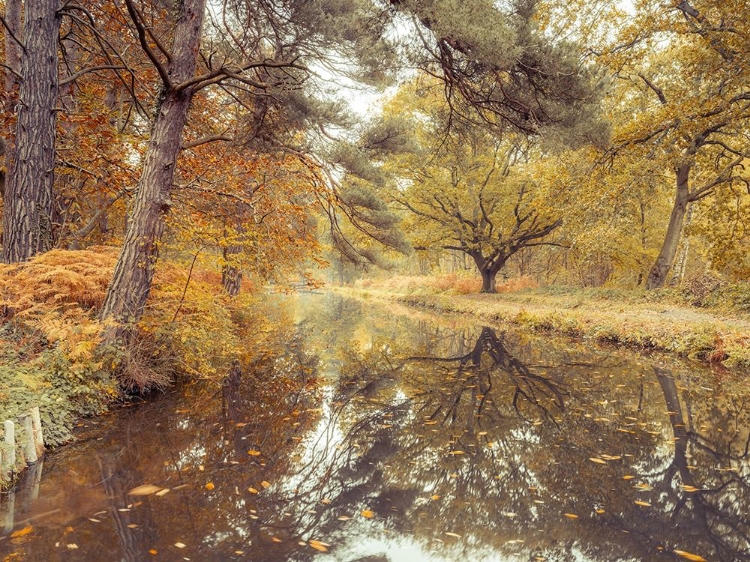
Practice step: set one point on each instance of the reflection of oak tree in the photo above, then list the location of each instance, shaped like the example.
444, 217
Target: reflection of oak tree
477, 373
707, 484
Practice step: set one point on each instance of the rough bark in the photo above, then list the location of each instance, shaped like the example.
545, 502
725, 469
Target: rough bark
489, 281
27, 225
131, 283
12, 83
231, 275
660, 270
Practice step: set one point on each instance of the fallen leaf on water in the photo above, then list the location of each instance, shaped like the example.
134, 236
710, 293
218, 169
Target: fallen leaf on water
628, 477
72, 546
325, 501
132, 526
254, 453
456, 535
643, 504
435, 497
94, 520
597, 460
276, 539
344, 518
599, 511
22, 532
180, 544
265, 484
321, 546
153, 551
210, 486
252, 490
689, 488
144, 490
367, 513
163, 492
690, 556
457, 453
570, 515
482, 433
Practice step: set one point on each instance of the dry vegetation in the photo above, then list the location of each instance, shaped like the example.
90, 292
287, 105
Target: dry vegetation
711, 326
50, 334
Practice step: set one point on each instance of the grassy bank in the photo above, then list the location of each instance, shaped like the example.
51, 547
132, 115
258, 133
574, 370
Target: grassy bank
50, 335
662, 320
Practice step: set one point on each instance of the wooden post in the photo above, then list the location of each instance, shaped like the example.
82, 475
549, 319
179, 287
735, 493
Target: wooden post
9, 463
29, 448
36, 423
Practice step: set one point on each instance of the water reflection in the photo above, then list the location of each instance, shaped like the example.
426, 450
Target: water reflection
393, 437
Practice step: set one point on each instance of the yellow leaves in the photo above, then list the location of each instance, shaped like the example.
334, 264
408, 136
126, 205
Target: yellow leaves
366, 513
642, 503
22, 532
435, 497
318, 545
688, 488
145, 490
153, 552
254, 453
689, 556
210, 486
597, 460
265, 484
180, 544
252, 490
570, 515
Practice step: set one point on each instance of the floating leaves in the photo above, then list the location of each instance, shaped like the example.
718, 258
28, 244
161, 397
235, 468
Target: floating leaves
690, 556
22, 532
570, 515
210, 486
254, 453
318, 545
642, 503
144, 490
367, 513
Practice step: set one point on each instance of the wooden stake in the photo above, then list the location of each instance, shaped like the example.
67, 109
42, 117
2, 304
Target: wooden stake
29, 448
9, 463
36, 423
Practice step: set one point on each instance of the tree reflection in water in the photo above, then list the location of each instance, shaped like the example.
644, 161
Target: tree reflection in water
461, 442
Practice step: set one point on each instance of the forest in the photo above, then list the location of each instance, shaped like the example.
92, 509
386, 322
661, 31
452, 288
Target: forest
167, 163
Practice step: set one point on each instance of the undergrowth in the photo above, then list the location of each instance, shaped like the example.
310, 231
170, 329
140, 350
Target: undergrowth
50, 335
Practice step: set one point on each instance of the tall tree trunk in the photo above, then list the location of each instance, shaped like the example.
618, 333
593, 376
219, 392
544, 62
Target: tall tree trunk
231, 275
658, 275
131, 283
680, 264
29, 198
12, 83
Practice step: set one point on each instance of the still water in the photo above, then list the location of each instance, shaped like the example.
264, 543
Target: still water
365, 432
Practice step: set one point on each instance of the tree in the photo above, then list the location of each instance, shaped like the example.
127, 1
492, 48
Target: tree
29, 197
688, 60
131, 281
471, 192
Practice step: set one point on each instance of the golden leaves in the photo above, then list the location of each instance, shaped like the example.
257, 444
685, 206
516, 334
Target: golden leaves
319, 545
690, 556
367, 514
145, 490
22, 532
